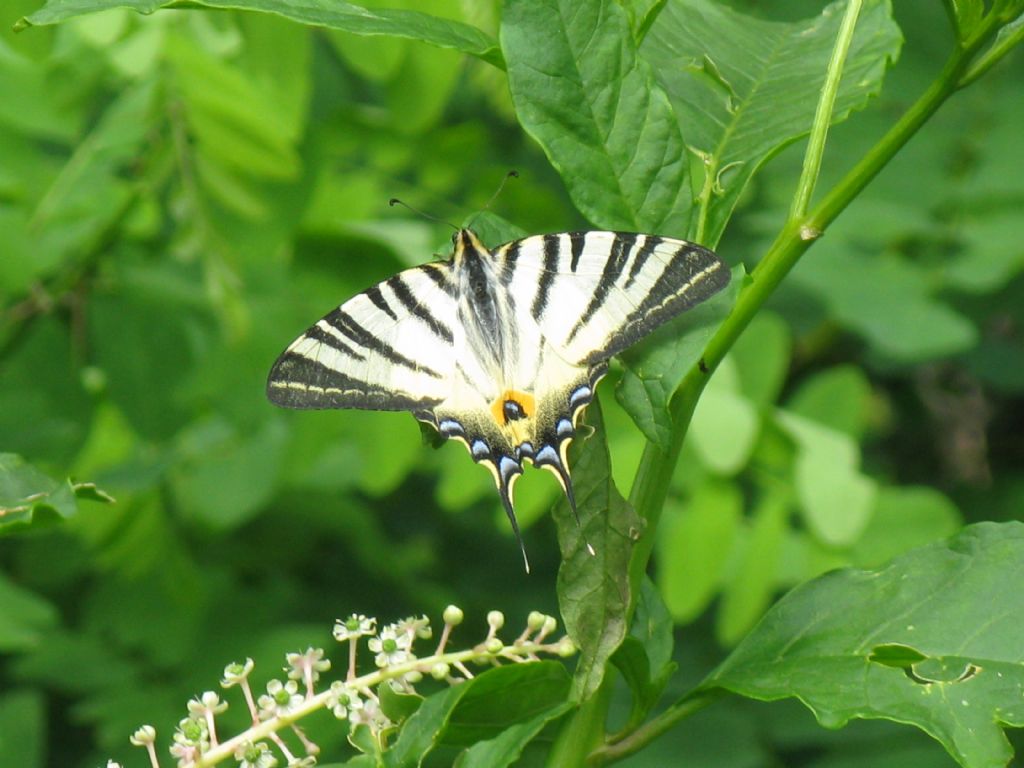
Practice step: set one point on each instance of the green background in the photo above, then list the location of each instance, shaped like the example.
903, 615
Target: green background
181, 194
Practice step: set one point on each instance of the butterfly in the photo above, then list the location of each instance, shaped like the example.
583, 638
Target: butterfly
502, 348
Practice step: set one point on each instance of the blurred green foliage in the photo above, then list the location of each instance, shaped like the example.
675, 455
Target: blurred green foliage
182, 193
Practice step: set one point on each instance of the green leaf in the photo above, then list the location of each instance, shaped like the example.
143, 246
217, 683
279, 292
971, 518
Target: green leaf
235, 122
224, 477
749, 590
888, 300
583, 93
593, 590
965, 15
904, 517
398, 706
505, 748
743, 87
645, 656
423, 730
656, 366
845, 644
652, 626
505, 696
835, 497
470, 706
725, 424
334, 14
839, 398
23, 728
24, 617
28, 497
694, 546
762, 355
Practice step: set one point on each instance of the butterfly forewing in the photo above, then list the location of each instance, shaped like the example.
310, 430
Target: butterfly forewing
390, 348
596, 293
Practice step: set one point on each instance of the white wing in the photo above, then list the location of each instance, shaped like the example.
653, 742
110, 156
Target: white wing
389, 348
593, 294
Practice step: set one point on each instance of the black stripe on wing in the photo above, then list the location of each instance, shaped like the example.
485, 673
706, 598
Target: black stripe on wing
301, 382
552, 250
692, 275
650, 243
378, 300
347, 325
404, 294
622, 244
328, 339
439, 274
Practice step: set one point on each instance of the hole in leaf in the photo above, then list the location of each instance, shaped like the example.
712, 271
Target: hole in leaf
922, 669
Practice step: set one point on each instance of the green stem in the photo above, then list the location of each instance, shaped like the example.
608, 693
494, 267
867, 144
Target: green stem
823, 113
656, 466
654, 728
584, 731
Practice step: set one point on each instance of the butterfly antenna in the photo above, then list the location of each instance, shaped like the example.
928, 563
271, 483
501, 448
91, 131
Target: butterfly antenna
513, 174
395, 201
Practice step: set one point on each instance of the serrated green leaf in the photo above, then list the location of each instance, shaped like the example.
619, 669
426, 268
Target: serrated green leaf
833, 642
744, 87
583, 93
656, 366
593, 590
334, 14
30, 498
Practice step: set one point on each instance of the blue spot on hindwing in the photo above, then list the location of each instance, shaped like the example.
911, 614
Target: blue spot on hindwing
481, 450
580, 395
546, 455
451, 428
564, 429
508, 467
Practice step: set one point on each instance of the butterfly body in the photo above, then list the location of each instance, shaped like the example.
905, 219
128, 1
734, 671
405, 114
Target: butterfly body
499, 348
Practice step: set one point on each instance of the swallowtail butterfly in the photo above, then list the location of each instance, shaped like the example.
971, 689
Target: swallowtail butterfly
498, 348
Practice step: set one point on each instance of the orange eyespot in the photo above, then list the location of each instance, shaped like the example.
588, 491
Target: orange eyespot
512, 406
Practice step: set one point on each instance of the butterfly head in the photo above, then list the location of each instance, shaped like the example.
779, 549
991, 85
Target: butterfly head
465, 240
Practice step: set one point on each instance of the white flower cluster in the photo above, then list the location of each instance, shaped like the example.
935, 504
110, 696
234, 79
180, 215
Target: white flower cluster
195, 743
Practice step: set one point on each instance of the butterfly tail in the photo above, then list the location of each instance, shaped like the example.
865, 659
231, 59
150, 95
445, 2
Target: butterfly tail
508, 470
551, 461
